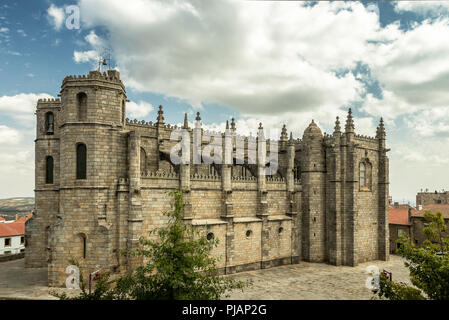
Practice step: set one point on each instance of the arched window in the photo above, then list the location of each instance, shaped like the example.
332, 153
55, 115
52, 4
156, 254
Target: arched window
81, 99
81, 159
49, 170
81, 245
143, 160
362, 175
49, 123
365, 175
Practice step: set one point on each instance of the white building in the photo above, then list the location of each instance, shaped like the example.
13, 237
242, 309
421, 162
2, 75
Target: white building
12, 236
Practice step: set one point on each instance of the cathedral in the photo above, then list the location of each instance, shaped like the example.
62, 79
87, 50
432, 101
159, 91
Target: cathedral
102, 182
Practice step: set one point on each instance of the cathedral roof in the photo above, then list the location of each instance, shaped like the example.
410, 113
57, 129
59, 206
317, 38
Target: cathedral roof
313, 131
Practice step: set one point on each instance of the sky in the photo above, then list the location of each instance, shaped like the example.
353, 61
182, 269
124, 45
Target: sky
275, 62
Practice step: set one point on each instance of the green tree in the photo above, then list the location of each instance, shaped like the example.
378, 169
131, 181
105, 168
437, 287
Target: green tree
177, 265
428, 265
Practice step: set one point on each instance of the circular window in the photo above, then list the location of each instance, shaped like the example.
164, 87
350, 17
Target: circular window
280, 229
210, 236
249, 233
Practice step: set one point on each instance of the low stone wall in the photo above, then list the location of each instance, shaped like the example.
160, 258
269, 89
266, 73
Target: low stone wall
9, 257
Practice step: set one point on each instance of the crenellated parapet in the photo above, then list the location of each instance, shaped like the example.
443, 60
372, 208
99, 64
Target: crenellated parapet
160, 174
197, 176
140, 123
49, 101
243, 179
365, 138
274, 179
111, 76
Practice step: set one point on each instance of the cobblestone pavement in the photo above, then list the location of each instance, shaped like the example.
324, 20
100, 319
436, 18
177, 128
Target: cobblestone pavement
316, 281
18, 282
304, 281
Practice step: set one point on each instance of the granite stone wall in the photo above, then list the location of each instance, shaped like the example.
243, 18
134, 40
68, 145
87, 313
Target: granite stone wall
313, 208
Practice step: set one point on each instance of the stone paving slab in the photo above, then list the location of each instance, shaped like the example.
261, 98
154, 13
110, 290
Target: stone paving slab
304, 281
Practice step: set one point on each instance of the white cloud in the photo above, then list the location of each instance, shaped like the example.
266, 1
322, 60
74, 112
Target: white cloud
4, 30
9, 135
413, 70
138, 110
85, 56
94, 40
17, 143
432, 123
273, 57
17, 169
257, 57
55, 16
21, 107
422, 7
98, 45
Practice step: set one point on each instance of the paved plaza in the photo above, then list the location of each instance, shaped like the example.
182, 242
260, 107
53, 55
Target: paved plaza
301, 281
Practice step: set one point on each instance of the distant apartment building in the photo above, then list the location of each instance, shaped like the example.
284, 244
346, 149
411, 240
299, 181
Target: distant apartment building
12, 235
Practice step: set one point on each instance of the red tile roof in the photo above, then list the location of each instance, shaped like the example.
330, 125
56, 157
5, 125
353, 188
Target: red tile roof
25, 218
16, 228
398, 216
12, 229
443, 208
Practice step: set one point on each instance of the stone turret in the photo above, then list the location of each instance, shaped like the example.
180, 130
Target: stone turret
313, 181
186, 122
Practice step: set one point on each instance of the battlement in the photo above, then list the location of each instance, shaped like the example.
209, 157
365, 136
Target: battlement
365, 138
110, 76
140, 123
49, 101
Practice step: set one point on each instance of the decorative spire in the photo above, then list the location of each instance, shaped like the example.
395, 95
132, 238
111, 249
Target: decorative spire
186, 122
227, 125
260, 133
284, 135
349, 122
380, 130
198, 120
290, 141
160, 116
232, 124
337, 128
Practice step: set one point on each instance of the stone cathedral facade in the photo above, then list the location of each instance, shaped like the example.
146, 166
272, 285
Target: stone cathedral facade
101, 182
